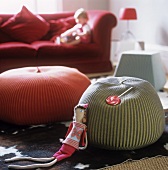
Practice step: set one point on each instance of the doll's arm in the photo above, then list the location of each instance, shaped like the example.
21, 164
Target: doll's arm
69, 129
84, 140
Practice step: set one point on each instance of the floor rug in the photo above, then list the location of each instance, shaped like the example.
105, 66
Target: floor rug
44, 141
156, 163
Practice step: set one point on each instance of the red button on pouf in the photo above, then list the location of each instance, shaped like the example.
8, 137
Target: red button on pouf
34, 95
113, 100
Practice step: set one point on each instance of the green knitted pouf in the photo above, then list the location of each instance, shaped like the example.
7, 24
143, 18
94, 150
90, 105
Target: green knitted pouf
134, 122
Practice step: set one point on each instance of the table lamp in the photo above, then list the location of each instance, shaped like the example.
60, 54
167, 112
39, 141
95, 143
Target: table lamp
127, 14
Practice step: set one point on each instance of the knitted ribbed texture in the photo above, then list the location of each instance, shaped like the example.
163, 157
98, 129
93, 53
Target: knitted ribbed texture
136, 122
154, 163
31, 97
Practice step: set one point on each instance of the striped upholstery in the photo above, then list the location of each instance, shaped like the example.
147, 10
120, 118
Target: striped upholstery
136, 122
31, 97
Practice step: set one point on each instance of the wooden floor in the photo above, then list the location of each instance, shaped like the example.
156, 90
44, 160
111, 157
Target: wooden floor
93, 75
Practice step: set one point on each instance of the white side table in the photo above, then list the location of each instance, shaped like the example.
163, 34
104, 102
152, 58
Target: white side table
142, 64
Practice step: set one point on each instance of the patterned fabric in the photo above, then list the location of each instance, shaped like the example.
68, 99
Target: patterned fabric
137, 121
73, 138
64, 152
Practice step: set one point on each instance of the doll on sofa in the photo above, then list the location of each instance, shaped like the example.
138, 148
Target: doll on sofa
80, 33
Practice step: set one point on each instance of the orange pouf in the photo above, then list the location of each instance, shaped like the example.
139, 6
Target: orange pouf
34, 95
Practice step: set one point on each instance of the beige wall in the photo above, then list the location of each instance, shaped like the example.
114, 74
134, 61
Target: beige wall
69, 5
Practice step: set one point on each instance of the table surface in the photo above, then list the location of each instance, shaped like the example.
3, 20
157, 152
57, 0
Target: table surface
164, 96
164, 99
166, 85
141, 52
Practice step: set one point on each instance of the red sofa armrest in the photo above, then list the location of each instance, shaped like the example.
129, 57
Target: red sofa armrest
102, 23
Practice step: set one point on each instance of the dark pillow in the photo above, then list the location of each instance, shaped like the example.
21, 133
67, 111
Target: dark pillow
25, 26
59, 26
5, 37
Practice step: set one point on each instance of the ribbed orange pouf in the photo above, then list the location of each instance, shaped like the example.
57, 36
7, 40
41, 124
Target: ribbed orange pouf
34, 95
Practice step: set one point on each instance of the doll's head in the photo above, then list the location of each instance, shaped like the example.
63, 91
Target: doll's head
81, 16
80, 113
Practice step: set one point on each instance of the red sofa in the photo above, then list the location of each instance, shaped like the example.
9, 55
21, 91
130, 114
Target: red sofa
28, 40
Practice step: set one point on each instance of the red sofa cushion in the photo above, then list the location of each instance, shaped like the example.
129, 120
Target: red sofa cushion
19, 49
1, 20
51, 50
25, 26
32, 97
5, 37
